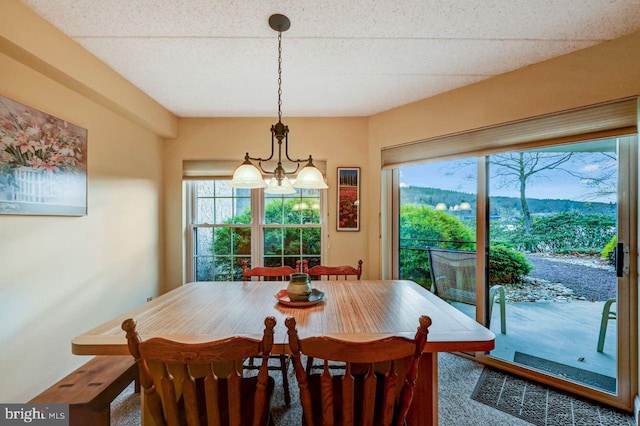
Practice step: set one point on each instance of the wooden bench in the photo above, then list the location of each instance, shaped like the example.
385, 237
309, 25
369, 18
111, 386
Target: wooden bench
90, 389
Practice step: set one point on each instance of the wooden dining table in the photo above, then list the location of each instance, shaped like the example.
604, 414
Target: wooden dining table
358, 310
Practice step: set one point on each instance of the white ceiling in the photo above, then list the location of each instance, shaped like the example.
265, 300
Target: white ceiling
203, 58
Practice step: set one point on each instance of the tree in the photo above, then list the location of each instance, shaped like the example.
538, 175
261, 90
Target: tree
523, 166
237, 241
601, 179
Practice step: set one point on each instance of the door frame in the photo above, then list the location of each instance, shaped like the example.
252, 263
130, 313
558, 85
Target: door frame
627, 298
628, 231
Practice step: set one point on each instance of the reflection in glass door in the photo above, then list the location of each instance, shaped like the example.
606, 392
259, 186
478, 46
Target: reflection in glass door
553, 215
438, 229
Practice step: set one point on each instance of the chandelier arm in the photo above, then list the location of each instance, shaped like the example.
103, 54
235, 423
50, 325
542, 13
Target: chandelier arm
270, 172
294, 171
262, 168
286, 153
259, 159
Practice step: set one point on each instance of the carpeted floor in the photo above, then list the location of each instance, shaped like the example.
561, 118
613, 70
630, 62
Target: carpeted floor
458, 378
540, 405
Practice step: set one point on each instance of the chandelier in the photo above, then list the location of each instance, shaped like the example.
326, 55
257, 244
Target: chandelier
247, 175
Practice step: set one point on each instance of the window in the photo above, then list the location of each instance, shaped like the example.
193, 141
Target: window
229, 225
291, 229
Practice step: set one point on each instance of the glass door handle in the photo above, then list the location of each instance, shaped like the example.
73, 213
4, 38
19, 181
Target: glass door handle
621, 256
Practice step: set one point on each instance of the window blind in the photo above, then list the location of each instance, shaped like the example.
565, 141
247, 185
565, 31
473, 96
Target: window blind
602, 120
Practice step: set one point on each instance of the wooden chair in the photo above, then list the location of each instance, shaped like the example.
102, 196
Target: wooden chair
202, 383
370, 391
332, 272
327, 272
263, 273
453, 278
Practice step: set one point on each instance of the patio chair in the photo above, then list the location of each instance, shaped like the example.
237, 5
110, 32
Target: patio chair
453, 278
374, 388
202, 383
279, 273
607, 314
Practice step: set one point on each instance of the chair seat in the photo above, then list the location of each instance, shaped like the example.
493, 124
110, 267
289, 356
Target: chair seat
460, 295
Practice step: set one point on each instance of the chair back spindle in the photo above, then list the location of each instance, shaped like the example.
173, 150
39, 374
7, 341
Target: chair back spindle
202, 383
368, 392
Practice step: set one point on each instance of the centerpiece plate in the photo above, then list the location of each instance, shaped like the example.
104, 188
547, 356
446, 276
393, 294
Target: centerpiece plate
315, 297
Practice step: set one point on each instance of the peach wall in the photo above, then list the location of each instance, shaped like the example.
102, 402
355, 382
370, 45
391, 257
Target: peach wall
61, 276
602, 73
33, 41
342, 142
605, 72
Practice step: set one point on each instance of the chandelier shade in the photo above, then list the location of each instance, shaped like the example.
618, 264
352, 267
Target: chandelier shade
310, 178
248, 175
283, 187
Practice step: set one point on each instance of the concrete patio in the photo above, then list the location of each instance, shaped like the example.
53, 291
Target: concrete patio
564, 332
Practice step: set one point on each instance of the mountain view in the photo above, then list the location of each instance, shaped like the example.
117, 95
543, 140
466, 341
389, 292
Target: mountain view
503, 207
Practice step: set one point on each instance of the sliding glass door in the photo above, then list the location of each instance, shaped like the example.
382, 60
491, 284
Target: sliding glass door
559, 207
535, 245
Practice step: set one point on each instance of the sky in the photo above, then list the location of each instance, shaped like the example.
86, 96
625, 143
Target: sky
460, 175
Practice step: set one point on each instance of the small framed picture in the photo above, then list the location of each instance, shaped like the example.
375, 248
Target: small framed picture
348, 199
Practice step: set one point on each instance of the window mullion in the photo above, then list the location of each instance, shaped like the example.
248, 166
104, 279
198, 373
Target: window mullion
189, 274
257, 221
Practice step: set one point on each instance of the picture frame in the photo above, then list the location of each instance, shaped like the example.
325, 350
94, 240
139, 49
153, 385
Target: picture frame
348, 203
43, 163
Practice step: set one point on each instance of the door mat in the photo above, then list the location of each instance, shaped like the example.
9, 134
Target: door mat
541, 405
588, 378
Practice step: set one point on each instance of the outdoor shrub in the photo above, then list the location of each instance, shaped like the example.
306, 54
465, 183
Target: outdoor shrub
506, 265
573, 232
607, 252
567, 232
510, 234
422, 226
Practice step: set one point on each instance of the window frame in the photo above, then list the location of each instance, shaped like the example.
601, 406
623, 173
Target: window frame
257, 225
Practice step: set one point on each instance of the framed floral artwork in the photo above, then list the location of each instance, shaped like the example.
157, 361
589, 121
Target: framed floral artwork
43, 163
348, 199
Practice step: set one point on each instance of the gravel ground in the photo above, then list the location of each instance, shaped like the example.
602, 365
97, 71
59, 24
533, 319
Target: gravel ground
588, 277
